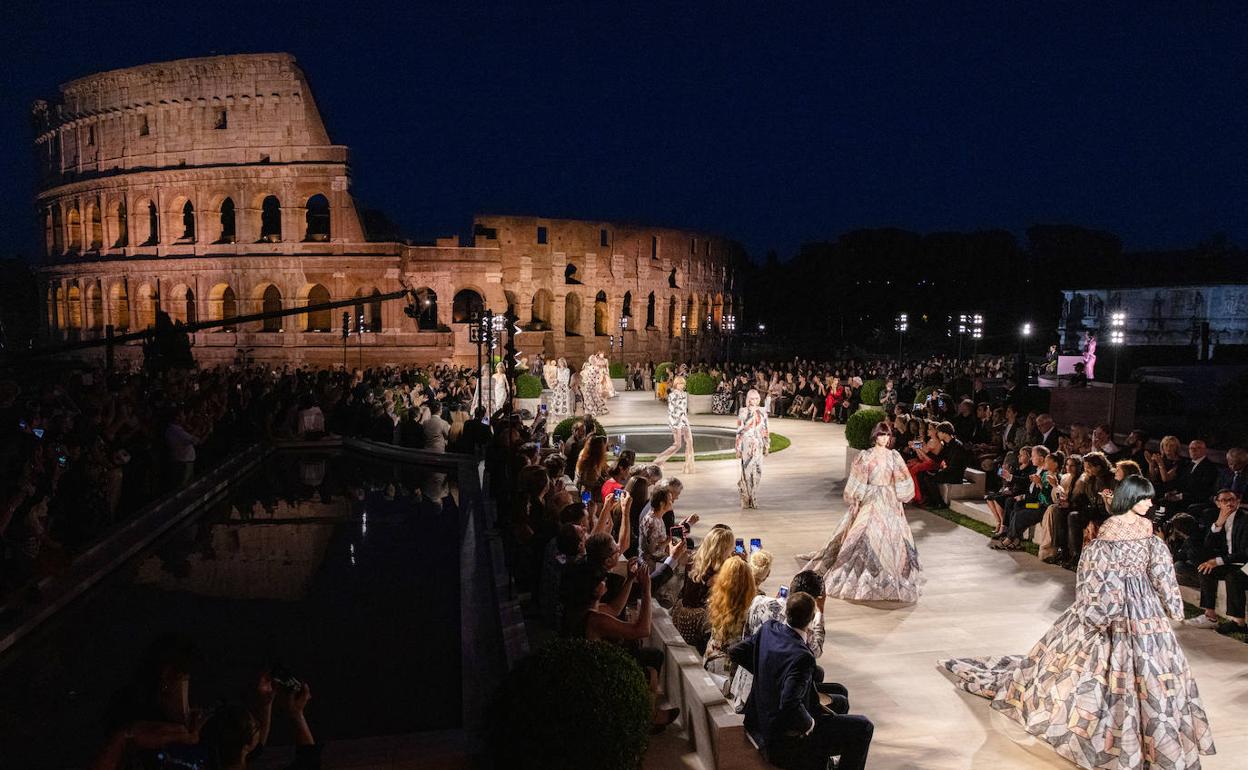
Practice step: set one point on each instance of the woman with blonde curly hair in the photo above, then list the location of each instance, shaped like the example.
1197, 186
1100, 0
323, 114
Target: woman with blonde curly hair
731, 595
689, 615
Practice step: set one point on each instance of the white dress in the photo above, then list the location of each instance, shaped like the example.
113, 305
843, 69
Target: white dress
500, 390
561, 398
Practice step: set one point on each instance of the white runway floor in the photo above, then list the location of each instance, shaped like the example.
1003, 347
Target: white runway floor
976, 601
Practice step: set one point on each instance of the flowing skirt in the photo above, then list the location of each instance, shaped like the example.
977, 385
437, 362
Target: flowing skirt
751, 470
561, 401
871, 556
1114, 698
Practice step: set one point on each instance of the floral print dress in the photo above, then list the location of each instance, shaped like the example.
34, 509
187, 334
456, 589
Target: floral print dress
1108, 686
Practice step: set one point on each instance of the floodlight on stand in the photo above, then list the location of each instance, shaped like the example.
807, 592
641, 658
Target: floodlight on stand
1027, 329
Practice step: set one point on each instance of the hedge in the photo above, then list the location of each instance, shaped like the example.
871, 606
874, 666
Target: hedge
660, 371
573, 704
564, 428
618, 370
870, 391
700, 384
528, 386
859, 426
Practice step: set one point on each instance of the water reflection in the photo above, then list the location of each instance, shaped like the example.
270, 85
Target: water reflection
271, 536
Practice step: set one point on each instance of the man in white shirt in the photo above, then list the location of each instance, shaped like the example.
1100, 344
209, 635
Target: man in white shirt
182, 445
1227, 544
1103, 441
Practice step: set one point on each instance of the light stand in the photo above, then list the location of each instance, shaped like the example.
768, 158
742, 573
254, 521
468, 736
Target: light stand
900, 325
623, 328
1117, 337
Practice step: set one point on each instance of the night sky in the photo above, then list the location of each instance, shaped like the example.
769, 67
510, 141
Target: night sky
773, 126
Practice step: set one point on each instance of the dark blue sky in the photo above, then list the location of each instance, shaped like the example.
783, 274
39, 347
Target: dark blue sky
773, 126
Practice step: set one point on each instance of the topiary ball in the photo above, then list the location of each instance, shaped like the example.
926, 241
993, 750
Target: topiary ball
660, 371
870, 391
573, 704
564, 428
859, 426
618, 370
701, 384
528, 386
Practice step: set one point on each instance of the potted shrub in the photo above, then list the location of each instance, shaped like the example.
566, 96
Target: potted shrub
564, 428
858, 433
660, 371
528, 392
618, 371
572, 704
700, 386
869, 393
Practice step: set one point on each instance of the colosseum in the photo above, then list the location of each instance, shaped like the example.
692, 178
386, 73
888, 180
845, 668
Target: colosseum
209, 188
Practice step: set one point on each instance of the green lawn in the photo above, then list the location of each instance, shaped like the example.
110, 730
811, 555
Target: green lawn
778, 443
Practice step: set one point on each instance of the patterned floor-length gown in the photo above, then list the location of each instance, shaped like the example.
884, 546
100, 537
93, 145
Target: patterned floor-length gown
871, 556
752, 440
561, 396
591, 389
1108, 686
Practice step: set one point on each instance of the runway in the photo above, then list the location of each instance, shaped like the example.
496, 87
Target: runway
976, 602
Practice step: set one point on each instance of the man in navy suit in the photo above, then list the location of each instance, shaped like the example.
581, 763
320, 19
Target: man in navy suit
778, 714
1226, 545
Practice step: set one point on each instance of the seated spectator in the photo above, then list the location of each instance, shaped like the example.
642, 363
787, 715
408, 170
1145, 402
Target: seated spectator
1015, 474
234, 734
781, 712
1026, 510
1163, 466
1087, 509
1195, 484
1233, 477
588, 617
760, 565
729, 602
951, 463
1226, 551
689, 615
1052, 549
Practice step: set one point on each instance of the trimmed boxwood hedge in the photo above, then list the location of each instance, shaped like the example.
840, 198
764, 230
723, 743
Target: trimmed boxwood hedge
570, 705
528, 386
660, 371
618, 370
564, 428
700, 384
870, 391
859, 426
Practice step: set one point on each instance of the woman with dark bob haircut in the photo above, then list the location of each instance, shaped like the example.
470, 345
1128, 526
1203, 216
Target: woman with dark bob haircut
1118, 632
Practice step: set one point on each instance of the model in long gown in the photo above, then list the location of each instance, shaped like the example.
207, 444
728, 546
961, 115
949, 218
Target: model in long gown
591, 388
753, 441
561, 395
871, 556
678, 421
1108, 686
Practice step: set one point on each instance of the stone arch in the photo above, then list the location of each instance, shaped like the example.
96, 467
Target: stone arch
542, 305
95, 226
147, 211
572, 315
717, 310
269, 297
73, 308
119, 224
95, 307
145, 306
222, 304
465, 304
650, 311
318, 320
270, 219
58, 230
427, 309
370, 310
50, 306
691, 314
49, 232
119, 305
316, 217
73, 231
602, 320
223, 219
181, 304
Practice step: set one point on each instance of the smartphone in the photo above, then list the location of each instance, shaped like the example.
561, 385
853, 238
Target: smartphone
1001, 471
740, 545
37, 431
586, 497
485, 420
21, 425
618, 493
542, 409
615, 449
784, 592
283, 678
61, 460
756, 544
676, 533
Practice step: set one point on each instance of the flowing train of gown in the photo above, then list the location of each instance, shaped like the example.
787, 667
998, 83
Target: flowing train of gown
1108, 686
871, 556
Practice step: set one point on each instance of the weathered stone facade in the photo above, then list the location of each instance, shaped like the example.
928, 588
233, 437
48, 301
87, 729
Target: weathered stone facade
208, 188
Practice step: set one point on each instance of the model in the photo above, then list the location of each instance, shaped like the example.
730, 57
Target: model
872, 557
753, 442
500, 386
678, 421
1108, 686
592, 394
481, 396
561, 394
